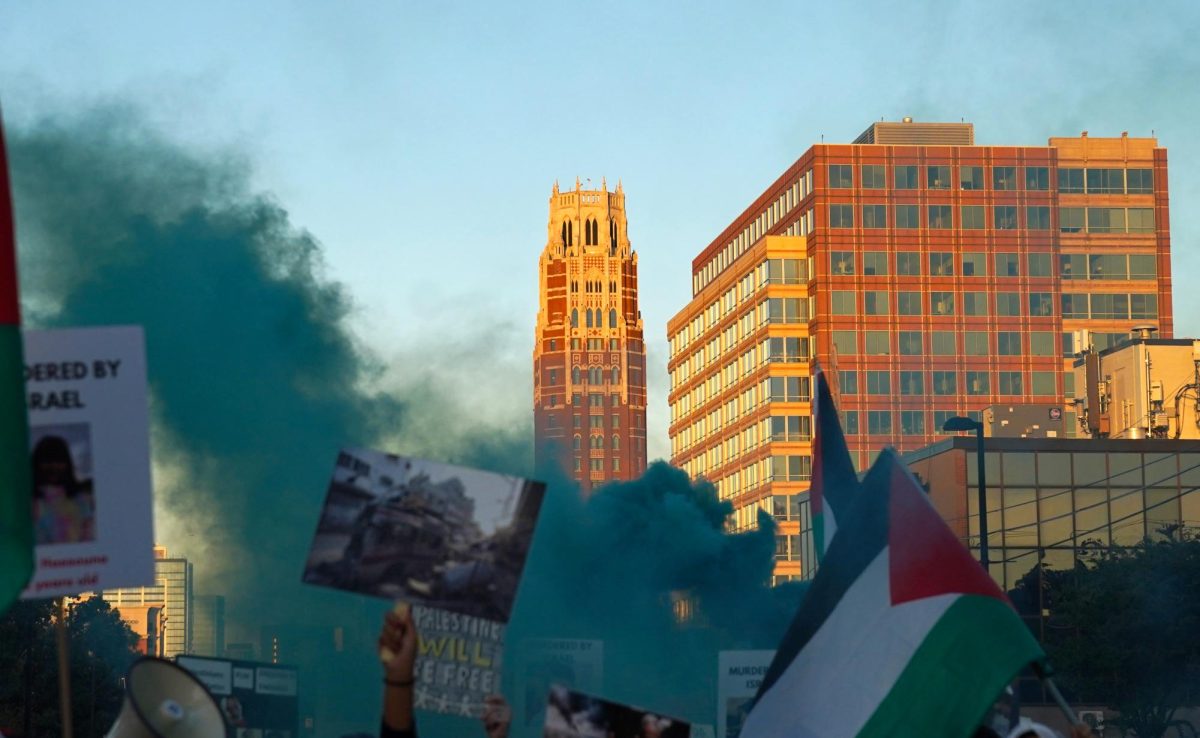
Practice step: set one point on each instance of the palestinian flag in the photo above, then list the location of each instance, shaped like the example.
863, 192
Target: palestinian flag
901, 634
16, 518
834, 484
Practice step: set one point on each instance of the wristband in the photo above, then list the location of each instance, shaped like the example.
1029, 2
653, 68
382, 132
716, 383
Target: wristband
399, 682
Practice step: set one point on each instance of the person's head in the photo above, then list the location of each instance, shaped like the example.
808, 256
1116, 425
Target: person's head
1026, 728
52, 465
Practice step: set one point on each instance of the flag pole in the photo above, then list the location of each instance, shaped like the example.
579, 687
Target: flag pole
1044, 675
64, 669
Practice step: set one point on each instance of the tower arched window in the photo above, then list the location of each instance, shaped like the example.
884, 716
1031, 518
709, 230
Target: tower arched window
612, 318
576, 442
612, 232
594, 375
564, 233
616, 375
588, 313
575, 375
616, 442
597, 441
575, 317
570, 233
595, 233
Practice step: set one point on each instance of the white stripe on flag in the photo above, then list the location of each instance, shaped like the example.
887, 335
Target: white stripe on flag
843, 674
830, 524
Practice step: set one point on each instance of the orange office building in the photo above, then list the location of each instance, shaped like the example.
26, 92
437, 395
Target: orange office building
930, 277
589, 358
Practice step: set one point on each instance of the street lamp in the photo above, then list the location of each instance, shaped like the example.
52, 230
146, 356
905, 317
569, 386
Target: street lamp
959, 423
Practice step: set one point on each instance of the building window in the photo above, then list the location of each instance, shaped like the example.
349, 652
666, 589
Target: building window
1005, 217
906, 178
877, 343
875, 262
553, 376
1008, 343
874, 216
941, 263
1010, 383
850, 422
616, 442
1070, 220
1037, 218
1037, 178
1143, 306
941, 216
937, 178
908, 216
576, 442
1042, 383
1106, 220
1074, 306
879, 422
612, 318
1041, 343
970, 178
1142, 266
1004, 178
1040, 304
942, 343
841, 262
1070, 181
912, 383
908, 263
1141, 220
873, 177
975, 343
1039, 265
578, 464
1007, 265
1140, 181
597, 465
1008, 303
1106, 181
576, 421
875, 302
616, 421
910, 343
841, 216
879, 382
945, 383
848, 382
974, 264
616, 463
845, 342
574, 318
975, 303
908, 303
941, 303
977, 383
912, 422
972, 217
841, 176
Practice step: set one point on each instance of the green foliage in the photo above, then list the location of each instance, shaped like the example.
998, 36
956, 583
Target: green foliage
1124, 630
101, 649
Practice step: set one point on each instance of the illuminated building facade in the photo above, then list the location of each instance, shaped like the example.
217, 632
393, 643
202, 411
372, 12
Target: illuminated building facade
589, 358
930, 277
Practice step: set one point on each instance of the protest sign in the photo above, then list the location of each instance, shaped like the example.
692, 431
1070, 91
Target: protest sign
542, 662
739, 674
458, 661
443, 536
571, 714
89, 440
257, 700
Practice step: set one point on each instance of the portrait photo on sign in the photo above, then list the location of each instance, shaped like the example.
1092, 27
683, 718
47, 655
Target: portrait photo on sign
572, 714
433, 534
64, 503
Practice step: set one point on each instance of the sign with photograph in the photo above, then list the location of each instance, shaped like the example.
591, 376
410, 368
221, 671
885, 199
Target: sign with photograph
543, 662
571, 714
446, 537
253, 708
739, 674
90, 455
458, 661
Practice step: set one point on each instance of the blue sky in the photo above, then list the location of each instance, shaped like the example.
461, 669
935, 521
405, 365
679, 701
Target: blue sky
419, 141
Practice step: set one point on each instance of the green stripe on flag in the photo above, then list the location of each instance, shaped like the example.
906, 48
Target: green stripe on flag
16, 516
972, 653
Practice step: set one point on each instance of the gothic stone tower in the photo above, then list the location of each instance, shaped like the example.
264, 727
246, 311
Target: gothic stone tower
589, 360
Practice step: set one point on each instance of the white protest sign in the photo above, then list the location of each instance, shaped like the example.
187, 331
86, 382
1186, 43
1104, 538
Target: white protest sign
739, 674
90, 452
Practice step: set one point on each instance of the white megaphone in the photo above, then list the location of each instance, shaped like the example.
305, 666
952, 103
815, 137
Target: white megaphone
163, 700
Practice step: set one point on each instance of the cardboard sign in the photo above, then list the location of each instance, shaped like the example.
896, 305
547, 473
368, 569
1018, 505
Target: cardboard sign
739, 675
542, 662
571, 714
442, 536
90, 451
270, 707
458, 661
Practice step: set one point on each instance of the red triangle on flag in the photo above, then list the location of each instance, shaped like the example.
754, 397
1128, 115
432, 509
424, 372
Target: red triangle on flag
925, 556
